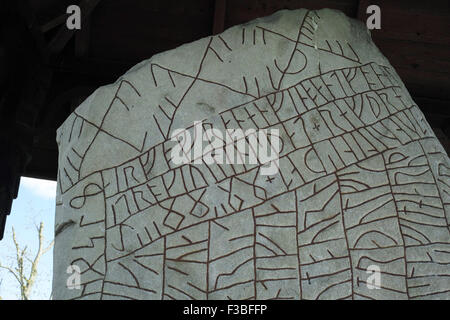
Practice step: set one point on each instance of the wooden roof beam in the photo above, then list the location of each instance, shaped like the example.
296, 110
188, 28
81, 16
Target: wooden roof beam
64, 35
219, 16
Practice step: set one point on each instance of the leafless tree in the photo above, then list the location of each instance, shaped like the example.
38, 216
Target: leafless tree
26, 276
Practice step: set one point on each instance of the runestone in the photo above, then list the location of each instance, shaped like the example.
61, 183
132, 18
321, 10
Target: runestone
358, 209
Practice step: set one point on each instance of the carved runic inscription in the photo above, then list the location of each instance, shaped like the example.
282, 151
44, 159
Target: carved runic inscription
362, 179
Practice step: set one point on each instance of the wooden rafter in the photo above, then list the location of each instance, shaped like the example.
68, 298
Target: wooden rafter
219, 16
58, 43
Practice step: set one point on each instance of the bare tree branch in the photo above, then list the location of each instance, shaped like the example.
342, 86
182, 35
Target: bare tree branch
11, 271
26, 281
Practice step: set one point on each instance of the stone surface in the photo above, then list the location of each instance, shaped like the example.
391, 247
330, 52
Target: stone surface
363, 180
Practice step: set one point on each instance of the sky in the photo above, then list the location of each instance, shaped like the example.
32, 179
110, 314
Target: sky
35, 203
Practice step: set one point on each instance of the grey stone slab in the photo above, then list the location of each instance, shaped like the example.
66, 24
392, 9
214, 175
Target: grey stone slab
362, 182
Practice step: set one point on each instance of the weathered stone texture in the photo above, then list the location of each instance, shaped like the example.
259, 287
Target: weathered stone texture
363, 180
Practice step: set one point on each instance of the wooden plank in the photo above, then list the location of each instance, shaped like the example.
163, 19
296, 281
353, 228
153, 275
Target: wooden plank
82, 39
416, 56
145, 35
239, 11
44, 164
54, 23
423, 67
421, 21
219, 16
425, 84
362, 8
432, 106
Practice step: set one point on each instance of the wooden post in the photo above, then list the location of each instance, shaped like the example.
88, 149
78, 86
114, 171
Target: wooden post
219, 16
